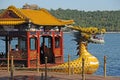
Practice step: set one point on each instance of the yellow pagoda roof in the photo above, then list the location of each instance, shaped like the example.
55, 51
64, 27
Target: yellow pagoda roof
11, 21
38, 17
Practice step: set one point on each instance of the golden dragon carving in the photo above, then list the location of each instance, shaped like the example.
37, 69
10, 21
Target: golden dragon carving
91, 63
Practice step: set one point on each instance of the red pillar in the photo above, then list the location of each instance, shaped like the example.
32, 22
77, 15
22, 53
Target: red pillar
62, 46
38, 46
28, 50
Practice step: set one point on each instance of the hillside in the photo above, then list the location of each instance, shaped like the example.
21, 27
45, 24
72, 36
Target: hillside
110, 20
102, 19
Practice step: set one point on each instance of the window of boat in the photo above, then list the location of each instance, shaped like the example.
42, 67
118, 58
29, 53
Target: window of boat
32, 43
57, 42
22, 42
13, 43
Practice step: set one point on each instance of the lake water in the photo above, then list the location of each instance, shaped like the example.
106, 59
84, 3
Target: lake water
111, 49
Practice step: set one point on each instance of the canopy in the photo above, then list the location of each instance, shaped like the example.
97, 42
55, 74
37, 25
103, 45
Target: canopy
15, 16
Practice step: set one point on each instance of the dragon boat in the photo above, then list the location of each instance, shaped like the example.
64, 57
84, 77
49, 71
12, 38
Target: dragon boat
31, 35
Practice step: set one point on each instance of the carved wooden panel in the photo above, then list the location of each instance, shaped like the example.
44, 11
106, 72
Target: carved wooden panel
33, 55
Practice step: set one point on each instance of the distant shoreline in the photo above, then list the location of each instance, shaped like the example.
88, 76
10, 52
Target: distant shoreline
112, 32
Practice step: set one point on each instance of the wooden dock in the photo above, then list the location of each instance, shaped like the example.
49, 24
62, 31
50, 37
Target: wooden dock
34, 75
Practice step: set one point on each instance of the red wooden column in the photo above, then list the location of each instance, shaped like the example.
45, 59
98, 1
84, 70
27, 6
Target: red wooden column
28, 49
53, 41
62, 45
38, 46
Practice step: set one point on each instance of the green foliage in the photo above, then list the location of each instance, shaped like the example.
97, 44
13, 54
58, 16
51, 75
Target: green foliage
110, 20
1, 11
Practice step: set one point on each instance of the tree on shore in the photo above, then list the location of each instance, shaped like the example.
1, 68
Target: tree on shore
110, 20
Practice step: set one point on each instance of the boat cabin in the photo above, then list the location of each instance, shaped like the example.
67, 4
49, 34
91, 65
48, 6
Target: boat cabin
30, 36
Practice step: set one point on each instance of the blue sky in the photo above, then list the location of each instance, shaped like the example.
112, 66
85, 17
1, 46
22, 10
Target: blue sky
87, 5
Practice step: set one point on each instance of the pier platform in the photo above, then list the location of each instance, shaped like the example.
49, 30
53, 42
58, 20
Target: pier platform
34, 75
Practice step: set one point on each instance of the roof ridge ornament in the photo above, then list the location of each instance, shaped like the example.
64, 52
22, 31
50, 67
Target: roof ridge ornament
16, 11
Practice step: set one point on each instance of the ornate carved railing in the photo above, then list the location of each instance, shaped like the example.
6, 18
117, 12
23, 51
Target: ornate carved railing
18, 54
